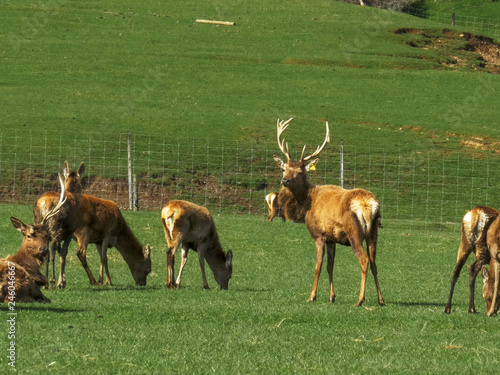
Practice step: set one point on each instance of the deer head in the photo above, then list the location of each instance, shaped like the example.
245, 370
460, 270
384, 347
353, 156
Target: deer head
294, 172
36, 237
73, 180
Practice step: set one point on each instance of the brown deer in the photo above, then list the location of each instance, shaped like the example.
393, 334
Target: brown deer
273, 207
476, 224
99, 221
332, 215
20, 276
61, 231
491, 278
193, 227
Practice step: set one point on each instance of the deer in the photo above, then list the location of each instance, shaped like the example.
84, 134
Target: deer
476, 224
20, 276
273, 208
93, 220
491, 276
193, 227
333, 215
61, 231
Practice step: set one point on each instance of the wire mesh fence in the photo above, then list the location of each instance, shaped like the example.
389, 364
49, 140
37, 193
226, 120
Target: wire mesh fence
234, 177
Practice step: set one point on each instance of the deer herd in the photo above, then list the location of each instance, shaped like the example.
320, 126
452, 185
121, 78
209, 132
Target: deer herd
332, 215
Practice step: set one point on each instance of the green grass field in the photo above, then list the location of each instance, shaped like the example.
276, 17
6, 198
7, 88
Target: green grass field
98, 70
262, 323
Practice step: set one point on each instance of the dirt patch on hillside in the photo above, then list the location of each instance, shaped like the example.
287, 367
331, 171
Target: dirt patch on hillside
455, 50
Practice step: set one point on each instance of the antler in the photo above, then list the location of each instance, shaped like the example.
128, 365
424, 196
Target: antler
319, 149
282, 125
62, 199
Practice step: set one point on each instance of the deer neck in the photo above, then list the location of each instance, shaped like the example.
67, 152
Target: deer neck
295, 202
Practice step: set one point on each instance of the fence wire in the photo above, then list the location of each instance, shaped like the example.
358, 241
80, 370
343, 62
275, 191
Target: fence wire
234, 177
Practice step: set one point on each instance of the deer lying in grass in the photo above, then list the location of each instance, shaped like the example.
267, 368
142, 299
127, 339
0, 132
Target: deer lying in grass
273, 207
20, 276
476, 224
192, 226
99, 221
332, 215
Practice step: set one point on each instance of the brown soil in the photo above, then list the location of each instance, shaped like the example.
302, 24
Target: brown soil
457, 50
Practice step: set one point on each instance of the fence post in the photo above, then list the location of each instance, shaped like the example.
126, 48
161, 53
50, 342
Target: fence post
453, 19
136, 192
342, 163
130, 177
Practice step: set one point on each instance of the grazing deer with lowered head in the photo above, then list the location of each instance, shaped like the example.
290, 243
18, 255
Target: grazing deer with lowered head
20, 276
476, 224
99, 221
332, 215
193, 227
273, 207
61, 231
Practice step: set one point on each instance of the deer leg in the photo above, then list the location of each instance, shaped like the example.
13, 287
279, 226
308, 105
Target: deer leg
320, 253
51, 259
463, 253
359, 251
474, 270
83, 241
330, 251
494, 308
103, 252
61, 284
201, 258
184, 254
372, 251
172, 248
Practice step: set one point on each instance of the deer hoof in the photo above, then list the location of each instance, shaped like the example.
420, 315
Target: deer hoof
472, 310
311, 299
360, 302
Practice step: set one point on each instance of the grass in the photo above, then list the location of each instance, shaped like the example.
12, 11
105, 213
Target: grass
262, 323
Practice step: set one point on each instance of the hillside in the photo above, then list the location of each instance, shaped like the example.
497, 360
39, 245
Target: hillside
152, 68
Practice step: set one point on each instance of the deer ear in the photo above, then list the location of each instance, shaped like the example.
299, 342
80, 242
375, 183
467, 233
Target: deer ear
229, 258
18, 224
81, 169
484, 273
311, 166
67, 169
147, 252
280, 163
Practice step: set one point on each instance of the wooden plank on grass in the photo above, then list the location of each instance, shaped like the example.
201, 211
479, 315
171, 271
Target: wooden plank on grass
227, 23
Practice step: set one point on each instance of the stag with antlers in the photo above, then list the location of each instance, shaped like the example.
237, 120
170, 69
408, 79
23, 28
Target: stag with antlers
332, 215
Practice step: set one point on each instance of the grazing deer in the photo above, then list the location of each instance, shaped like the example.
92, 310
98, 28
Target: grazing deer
93, 220
475, 227
273, 207
20, 276
193, 227
332, 215
61, 231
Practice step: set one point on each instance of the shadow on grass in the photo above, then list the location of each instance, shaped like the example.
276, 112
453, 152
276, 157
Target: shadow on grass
107, 288
45, 307
402, 303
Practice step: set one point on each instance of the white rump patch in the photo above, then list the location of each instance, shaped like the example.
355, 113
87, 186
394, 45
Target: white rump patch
365, 211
